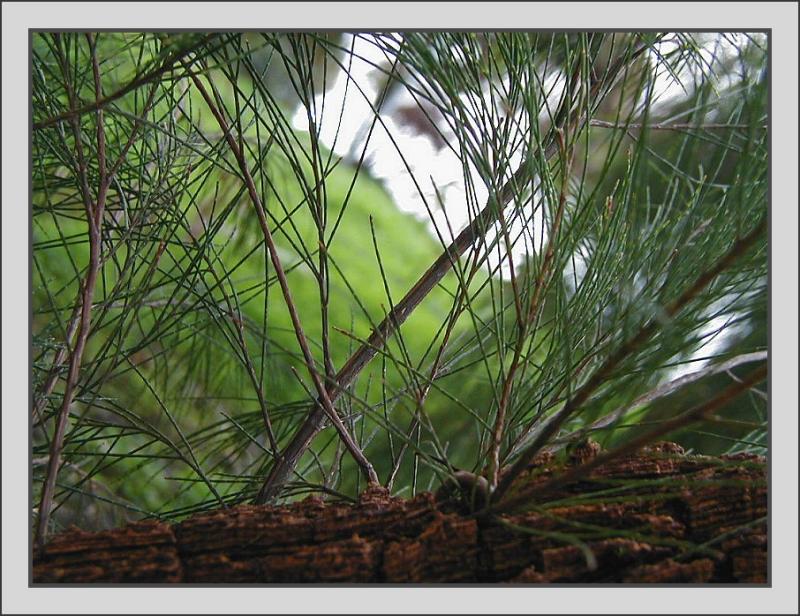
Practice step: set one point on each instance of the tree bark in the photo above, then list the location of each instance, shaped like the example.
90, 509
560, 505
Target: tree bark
684, 519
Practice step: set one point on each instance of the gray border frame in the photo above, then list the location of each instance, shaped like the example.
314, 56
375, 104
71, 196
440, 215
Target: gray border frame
782, 16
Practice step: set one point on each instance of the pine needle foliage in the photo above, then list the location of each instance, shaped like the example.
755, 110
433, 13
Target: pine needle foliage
229, 304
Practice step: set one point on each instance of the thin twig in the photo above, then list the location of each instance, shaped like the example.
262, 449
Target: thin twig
235, 314
477, 227
60, 357
327, 404
534, 309
380, 334
55, 368
94, 215
459, 305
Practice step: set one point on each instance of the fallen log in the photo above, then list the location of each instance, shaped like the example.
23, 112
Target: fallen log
655, 517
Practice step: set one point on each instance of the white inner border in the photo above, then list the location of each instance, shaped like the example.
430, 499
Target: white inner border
781, 17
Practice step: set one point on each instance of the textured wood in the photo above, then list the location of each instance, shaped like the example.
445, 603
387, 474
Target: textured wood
140, 552
641, 538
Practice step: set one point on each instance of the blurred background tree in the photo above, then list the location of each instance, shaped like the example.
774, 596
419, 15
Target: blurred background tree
579, 221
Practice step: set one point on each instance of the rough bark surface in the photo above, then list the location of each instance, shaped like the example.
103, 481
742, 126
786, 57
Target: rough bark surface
703, 520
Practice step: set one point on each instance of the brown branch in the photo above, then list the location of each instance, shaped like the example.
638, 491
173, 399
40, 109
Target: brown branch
385, 329
738, 248
477, 227
459, 305
94, 215
698, 413
72, 325
58, 360
327, 403
534, 309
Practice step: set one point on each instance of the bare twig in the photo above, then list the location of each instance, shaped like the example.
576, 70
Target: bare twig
94, 215
61, 355
327, 403
477, 227
236, 316
55, 368
347, 374
459, 305
534, 309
